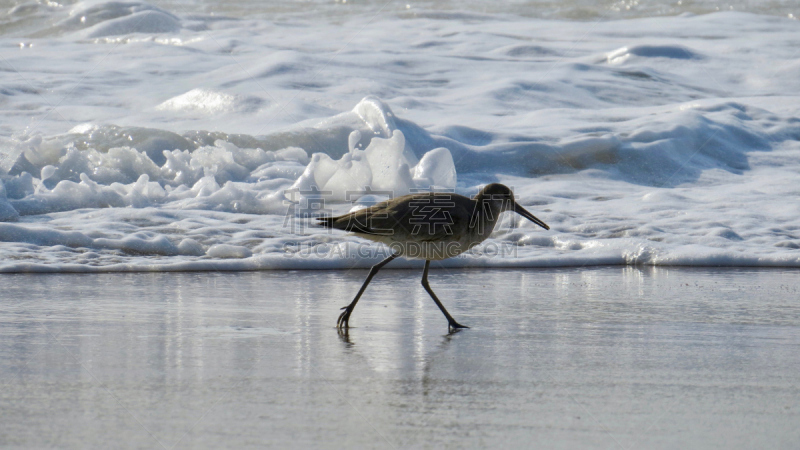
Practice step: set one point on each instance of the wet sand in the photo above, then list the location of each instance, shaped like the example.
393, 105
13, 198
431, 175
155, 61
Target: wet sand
564, 358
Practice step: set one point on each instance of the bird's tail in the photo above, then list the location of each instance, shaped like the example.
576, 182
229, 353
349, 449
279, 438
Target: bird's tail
325, 222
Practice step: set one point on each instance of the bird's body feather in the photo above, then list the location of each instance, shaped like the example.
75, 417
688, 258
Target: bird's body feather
431, 226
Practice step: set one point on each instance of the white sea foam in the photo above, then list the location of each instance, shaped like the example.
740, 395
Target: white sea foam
148, 137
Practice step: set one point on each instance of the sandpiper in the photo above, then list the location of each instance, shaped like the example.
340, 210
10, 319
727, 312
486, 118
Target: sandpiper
429, 226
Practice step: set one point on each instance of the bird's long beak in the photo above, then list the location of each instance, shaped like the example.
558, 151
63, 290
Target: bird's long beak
524, 213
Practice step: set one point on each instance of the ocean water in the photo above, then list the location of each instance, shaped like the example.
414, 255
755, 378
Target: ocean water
195, 135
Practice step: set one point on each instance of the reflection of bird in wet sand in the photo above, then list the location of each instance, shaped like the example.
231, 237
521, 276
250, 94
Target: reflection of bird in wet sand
429, 226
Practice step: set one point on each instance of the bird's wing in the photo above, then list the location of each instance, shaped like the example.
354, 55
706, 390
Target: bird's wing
371, 220
424, 217
420, 217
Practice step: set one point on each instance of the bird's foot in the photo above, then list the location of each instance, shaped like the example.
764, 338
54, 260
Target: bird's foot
455, 326
344, 318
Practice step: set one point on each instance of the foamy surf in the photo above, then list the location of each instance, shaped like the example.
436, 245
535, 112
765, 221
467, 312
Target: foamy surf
196, 142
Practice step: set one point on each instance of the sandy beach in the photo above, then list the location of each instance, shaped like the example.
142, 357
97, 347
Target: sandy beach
561, 358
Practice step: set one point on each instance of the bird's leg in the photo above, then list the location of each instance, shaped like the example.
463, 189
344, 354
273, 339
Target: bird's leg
344, 317
452, 325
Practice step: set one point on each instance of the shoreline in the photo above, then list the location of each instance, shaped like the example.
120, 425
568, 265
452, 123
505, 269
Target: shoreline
228, 266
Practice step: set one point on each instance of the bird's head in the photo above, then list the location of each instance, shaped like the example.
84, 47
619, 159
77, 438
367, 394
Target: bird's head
500, 198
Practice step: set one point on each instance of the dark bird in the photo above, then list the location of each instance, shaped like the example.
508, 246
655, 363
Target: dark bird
429, 226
